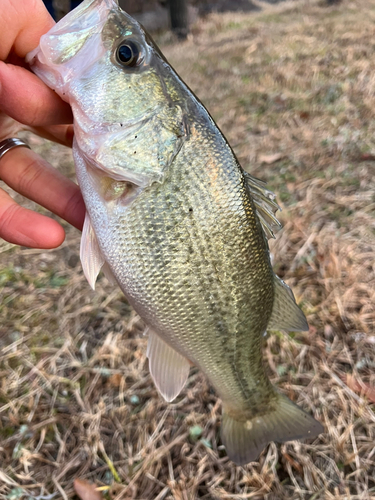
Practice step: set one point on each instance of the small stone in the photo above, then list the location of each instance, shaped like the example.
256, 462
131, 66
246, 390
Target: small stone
16, 494
206, 443
134, 399
195, 432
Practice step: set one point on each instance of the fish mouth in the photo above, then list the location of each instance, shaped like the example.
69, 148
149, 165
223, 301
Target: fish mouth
53, 61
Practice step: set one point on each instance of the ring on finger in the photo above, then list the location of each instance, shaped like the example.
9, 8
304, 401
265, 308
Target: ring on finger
12, 142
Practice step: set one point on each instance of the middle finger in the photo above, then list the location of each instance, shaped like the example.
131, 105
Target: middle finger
33, 177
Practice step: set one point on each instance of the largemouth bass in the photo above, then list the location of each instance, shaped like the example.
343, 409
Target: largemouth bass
174, 220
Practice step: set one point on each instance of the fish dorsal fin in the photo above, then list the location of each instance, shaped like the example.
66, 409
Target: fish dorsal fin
91, 256
286, 315
265, 203
169, 370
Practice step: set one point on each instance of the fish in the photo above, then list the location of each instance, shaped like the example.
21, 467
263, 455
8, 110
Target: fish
174, 221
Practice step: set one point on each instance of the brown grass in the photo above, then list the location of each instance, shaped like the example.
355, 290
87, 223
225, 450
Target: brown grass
76, 397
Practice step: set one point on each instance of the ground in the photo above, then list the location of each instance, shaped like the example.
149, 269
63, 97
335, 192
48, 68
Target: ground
292, 88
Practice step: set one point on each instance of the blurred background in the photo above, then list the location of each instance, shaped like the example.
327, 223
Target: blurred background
178, 15
157, 15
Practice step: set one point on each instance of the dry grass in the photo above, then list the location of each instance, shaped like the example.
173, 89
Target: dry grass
76, 398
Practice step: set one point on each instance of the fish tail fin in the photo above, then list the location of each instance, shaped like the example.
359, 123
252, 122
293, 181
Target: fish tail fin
245, 439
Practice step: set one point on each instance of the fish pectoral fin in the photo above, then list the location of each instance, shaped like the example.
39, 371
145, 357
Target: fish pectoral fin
244, 440
265, 204
91, 256
106, 270
286, 315
169, 370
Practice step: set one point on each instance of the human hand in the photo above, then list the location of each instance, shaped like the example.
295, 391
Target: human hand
24, 99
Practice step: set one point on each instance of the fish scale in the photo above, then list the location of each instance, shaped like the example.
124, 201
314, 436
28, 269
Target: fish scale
174, 221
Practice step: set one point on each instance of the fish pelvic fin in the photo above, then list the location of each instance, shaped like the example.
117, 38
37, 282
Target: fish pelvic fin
286, 315
244, 440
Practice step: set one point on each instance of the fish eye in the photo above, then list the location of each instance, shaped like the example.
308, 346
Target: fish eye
128, 53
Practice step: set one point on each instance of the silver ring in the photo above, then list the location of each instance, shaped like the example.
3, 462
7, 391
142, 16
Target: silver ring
12, 142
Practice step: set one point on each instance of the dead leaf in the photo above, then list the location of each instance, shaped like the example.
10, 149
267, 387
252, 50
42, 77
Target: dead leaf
360, 387
293, 463
304, 115
269, 159
367, 157
86, 490
115, 380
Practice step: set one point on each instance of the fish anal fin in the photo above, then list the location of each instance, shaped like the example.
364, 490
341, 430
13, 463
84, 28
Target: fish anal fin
286, 315
169, 370
244, 439
91, 256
